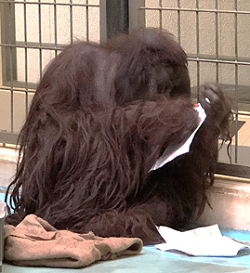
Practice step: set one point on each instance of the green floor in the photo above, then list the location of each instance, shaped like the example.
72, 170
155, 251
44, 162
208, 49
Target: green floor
152, 261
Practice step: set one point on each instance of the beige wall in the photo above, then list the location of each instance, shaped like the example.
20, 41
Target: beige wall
63, 37
34, 65
207, 34
188, 35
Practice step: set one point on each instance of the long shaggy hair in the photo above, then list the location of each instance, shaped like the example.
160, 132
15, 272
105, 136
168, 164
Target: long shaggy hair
100, 118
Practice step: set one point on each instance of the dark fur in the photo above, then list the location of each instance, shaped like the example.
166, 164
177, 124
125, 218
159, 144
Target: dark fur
100, 118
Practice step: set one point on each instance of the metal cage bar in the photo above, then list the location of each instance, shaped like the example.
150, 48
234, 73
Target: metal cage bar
11, 47
117, 17
218, 60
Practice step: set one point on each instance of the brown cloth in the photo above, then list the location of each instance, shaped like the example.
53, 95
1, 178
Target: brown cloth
34, 242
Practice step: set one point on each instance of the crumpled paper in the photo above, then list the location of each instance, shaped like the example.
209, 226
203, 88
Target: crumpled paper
169, 155
204, 241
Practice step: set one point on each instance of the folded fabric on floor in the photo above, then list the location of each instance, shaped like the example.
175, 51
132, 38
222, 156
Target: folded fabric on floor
34, 242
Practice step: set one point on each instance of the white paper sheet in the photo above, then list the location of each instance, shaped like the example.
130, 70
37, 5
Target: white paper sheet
167, 156
3, 209
205, 241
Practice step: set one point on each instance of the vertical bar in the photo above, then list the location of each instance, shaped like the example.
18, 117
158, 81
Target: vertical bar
117, 17
8, 37
55, 26
87, 20
179, 21
136, 14
11, 67
217, 43
71, 21
217, 40
25, 57
160, 13
3, 61
236, 77
103, 21
198, 48
40, 38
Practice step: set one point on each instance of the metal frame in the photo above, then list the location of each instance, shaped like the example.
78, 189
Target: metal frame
114, 18
7, 12
117, 17
136, 14
9, 47
217, 59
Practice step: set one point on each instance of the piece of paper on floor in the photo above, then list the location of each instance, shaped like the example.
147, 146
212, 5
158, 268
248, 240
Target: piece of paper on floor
204, 241
3, 209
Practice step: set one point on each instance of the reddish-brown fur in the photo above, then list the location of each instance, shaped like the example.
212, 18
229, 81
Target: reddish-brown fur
100, 118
